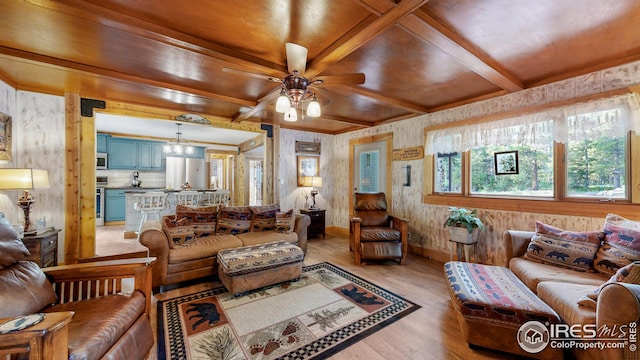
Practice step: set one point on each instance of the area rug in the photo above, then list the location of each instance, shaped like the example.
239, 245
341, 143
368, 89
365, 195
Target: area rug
325, 311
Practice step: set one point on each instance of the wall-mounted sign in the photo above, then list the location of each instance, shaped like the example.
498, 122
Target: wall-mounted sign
412, 153
309, 148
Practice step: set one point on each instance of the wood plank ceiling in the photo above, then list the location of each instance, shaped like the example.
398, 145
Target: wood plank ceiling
417, 56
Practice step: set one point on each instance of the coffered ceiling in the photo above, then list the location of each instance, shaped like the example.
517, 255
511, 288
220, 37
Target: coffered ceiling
417, 56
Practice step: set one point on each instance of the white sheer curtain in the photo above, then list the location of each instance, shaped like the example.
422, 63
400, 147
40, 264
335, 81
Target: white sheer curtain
618, 115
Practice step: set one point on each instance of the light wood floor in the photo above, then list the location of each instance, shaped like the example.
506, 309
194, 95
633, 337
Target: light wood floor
431, 332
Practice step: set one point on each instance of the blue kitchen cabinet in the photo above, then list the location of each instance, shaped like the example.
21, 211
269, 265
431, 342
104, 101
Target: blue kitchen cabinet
114, 205
150, 155
101, 143
123, 154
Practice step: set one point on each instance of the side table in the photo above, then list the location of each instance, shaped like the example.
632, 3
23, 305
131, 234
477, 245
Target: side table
43, 248
461, 247
317, 221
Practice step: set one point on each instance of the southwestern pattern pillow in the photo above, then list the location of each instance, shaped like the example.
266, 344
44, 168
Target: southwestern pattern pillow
264, 217
197, 214
567, 249
621, 244
285, 222
234, 220
178, 230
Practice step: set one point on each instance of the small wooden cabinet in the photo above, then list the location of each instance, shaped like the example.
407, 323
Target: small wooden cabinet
43, 248
317, 221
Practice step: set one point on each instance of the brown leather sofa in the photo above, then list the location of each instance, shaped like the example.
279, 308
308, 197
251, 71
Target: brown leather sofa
198, 257
90, 311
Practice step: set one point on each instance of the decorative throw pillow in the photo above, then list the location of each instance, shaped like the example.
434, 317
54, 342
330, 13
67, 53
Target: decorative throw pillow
179, 231
234, 220
629, 274
264, 217
12, 251
567, 249
621, 244
202, 218
285, 222
197, 214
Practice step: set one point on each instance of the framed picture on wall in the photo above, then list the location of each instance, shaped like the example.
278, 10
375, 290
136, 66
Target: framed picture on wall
5, 138
308, 166
506, 162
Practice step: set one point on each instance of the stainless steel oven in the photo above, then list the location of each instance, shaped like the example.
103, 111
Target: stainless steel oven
99, 206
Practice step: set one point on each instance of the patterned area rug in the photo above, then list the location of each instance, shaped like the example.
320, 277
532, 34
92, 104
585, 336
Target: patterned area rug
325, 311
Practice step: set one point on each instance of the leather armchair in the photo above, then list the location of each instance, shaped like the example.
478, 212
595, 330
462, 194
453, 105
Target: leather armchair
97, 310
374, 234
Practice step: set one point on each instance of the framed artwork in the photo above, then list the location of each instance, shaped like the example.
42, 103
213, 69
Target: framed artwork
5, 138
308, 166
506, 162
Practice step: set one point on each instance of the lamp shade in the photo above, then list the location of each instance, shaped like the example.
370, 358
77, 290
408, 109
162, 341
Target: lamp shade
23, 179
313, 109
313, 181
282, 104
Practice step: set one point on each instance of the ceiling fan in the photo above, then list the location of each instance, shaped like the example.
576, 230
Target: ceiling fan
295, 86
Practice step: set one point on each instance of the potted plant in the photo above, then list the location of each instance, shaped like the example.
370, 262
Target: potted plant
464, 224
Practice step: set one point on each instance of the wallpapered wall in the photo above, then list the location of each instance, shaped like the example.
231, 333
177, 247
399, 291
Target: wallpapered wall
38, 142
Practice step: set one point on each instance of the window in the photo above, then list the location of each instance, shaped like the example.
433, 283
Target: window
586, 148
596, 161
449, 173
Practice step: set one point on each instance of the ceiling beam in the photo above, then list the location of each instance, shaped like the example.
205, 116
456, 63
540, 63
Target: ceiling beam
426, 28
352, 42
405, 105
133, 25
43, 60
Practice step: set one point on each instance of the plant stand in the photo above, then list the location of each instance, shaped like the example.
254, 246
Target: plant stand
463, 247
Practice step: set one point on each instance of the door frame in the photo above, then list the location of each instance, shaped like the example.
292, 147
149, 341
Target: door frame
388, 139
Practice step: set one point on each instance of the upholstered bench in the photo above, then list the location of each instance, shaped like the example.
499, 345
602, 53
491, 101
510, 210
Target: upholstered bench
491, 304
251, 267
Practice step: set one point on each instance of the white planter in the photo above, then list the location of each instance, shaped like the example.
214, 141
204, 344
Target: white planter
462, 235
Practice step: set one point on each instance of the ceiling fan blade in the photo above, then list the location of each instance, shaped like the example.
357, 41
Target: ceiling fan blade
296, 57
254, 75
344, 79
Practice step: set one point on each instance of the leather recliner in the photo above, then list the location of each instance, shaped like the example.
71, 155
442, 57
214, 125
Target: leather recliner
374, 234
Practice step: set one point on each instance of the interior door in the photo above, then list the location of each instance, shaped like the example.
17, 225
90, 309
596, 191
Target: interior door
370, 166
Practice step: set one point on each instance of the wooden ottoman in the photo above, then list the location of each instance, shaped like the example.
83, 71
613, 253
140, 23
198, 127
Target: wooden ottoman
491, 304
252, 267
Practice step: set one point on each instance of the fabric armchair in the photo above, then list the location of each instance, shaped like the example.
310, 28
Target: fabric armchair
374, 234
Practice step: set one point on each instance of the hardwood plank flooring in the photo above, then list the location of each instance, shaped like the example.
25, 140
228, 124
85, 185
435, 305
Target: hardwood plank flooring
431, 332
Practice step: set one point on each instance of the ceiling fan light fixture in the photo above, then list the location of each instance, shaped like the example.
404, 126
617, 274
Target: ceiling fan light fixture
313, 109
282, 104
291, 115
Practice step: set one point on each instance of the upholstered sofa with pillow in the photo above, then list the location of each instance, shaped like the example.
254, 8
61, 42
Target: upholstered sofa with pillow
186, 244
85, 311
587, 277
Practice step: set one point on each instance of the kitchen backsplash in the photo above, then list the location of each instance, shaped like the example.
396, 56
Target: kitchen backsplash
122, 178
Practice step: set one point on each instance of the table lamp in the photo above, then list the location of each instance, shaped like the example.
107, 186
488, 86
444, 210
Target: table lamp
314, 182
26, 180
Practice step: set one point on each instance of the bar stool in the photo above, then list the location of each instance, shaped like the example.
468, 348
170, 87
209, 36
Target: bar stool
211, 198
188, 198
149, 203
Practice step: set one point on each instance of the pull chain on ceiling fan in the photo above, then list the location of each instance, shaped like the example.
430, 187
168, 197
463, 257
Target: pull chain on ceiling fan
295, 86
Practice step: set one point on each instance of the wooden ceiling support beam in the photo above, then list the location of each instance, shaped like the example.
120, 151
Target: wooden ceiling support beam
110, 74
116, 20
426, 28
406, 105
352, 42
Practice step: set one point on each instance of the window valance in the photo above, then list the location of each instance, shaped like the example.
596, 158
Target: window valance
619, 115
